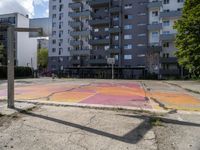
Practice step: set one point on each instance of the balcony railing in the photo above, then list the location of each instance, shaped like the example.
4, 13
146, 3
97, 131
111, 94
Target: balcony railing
86, 13
98, 3
168, 60
75, 5
170, 14
167, 37
99, 22
80, 33
155, 26
75, 24
99, 42
154, 4
80, 52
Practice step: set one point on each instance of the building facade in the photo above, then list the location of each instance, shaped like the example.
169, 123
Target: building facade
25, 48
139, 34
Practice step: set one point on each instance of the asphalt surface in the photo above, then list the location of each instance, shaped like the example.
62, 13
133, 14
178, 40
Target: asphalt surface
56, 128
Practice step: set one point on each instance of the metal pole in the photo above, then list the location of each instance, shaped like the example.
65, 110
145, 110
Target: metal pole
112, 71
10, 66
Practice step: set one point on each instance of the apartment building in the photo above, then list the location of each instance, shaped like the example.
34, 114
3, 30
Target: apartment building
25, 47
139, 34
162, 16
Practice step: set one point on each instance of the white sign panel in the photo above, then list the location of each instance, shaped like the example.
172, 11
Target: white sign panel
111, 61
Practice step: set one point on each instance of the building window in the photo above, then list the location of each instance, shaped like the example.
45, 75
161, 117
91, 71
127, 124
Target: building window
128, 46
142, 34
128, 6
54, 7
155, 13
54, 33
53, 50
180, 1
116, 37
166, 23
166, 2
106, 29
115, 18
53, 16
54, 24
154, 34
166, 32
166, 44
128, 37
106, 47
140, 45
128, 27
96, 30
127, 57
128, 16
53, 41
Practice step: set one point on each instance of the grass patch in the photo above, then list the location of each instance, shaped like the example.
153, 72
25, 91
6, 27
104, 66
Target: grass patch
155, 122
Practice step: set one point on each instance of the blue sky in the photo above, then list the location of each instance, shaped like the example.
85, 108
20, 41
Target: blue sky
33, 8
41, 10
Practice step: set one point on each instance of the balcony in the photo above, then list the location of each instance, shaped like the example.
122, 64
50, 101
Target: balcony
115, 30
99, 22
75, 5
113, 50
75, 62
169, 71
98, 3
170, 14
154, 26
81, 14
167, 37
75, 24
76, 43
169, 60
80, 52
115, 9
154, 4
99, 42
80, 33
154, 48
97, 61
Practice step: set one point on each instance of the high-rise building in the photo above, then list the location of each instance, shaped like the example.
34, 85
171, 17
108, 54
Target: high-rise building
162, 16
138, 34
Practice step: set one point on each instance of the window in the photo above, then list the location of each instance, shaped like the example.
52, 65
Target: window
54, 41
128, 27
180, 1
142, 34
128, 6
54, 16
166, 32
154, 34
54, 24
155, 13
54, 7
116, 37
127, 36
140, 45
128, 17
60, 25
166, 44
115, 18
106, 29
127, 57
106, 47
61, 16
96, 30
53, 50
166, 2
128, 46
141, 55
116, 57
54, 33
60, 7
166, 23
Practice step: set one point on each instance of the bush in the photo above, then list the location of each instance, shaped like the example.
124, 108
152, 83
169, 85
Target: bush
20, 72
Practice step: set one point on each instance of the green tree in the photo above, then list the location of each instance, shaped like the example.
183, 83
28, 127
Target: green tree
2, 55
188, 37
42, 58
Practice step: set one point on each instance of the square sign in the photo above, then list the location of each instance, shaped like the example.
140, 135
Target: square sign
111, 61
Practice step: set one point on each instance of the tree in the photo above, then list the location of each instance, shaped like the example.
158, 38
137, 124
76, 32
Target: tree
188, 37
2, 55
42, 58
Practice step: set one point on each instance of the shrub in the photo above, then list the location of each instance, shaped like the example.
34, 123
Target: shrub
20, 72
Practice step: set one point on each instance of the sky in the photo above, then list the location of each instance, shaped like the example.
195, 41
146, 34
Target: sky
34, 8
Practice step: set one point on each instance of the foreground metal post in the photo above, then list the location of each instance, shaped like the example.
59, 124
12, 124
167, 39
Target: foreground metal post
10, 66
112, 71
11, 59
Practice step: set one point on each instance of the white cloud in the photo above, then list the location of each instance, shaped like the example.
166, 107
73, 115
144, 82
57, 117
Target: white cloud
22, 6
